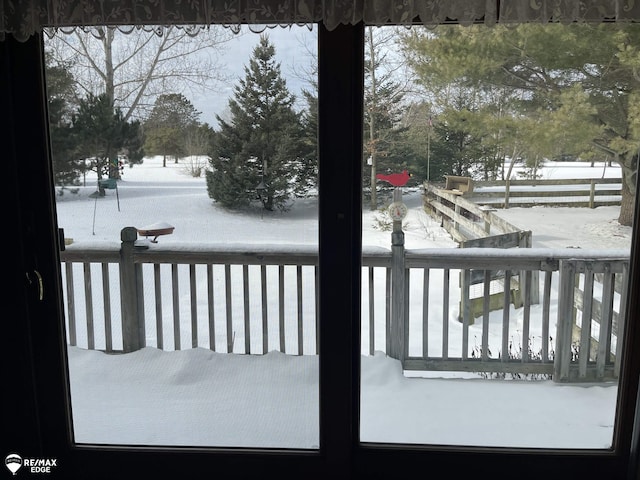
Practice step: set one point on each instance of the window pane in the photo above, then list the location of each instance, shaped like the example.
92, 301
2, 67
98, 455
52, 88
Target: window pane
499, 178
186, 172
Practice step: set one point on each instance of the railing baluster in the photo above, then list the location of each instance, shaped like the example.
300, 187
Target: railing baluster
281, 307
157, 285
139, 285
485, 315
300, 327
71, 304
372, 333
176, 306
407, 284
425, 313
604, 342
465, 313
445, 313
229, 309
106, 295
585, 328
387, 320
265, 322
316, 280
247, 319
194, 305
88, 304
506, 308
526, 316
607, 310
622, 318
546, 309
211, 309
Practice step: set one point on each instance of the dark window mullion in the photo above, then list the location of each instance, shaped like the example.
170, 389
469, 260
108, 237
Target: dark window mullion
340, 95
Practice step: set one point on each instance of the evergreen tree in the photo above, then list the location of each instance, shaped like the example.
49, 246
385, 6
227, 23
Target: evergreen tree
102, 134
67, 168
307, 166
173, 117
457, 147
261, 145
576, 85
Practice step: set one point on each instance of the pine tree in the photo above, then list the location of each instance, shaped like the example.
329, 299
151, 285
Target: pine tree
255, 155
166, 129
577, 85
307, 166
67, 167
102, 134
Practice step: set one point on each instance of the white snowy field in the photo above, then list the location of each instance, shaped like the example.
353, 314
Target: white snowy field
197, 397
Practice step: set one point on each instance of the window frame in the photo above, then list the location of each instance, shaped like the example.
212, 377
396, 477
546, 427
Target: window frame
41, 426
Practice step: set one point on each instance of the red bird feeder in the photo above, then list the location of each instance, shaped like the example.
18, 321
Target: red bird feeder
395, 179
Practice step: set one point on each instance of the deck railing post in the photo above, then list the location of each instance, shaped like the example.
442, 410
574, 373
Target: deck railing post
398, 289
563, 353
132, 328
526, 241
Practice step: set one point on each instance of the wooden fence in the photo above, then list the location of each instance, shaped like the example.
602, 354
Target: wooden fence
471, 215
474, 226
251, 302
584, 192
465, 221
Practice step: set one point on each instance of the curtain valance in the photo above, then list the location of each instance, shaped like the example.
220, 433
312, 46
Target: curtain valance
22, 18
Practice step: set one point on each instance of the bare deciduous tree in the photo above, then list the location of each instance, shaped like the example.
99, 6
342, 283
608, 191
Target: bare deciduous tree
134, 68
384, 91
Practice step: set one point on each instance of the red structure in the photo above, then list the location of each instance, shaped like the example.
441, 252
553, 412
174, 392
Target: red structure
395, 179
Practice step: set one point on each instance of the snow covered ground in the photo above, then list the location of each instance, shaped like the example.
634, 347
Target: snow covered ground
201, 398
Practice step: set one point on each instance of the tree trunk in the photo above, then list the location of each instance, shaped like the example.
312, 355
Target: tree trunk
109, 79
268, 203
627, 205
629, 166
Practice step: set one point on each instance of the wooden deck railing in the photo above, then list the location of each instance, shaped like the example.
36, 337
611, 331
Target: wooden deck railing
251, 302
534, 339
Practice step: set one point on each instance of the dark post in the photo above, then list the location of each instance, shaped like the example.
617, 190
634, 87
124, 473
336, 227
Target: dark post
398, 287
340, 113
132, 329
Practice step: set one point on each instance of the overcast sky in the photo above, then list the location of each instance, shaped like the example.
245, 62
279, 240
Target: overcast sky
295, 50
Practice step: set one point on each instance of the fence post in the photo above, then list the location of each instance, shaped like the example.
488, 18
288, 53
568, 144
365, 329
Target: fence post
398, 290
456, 209
132, 328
